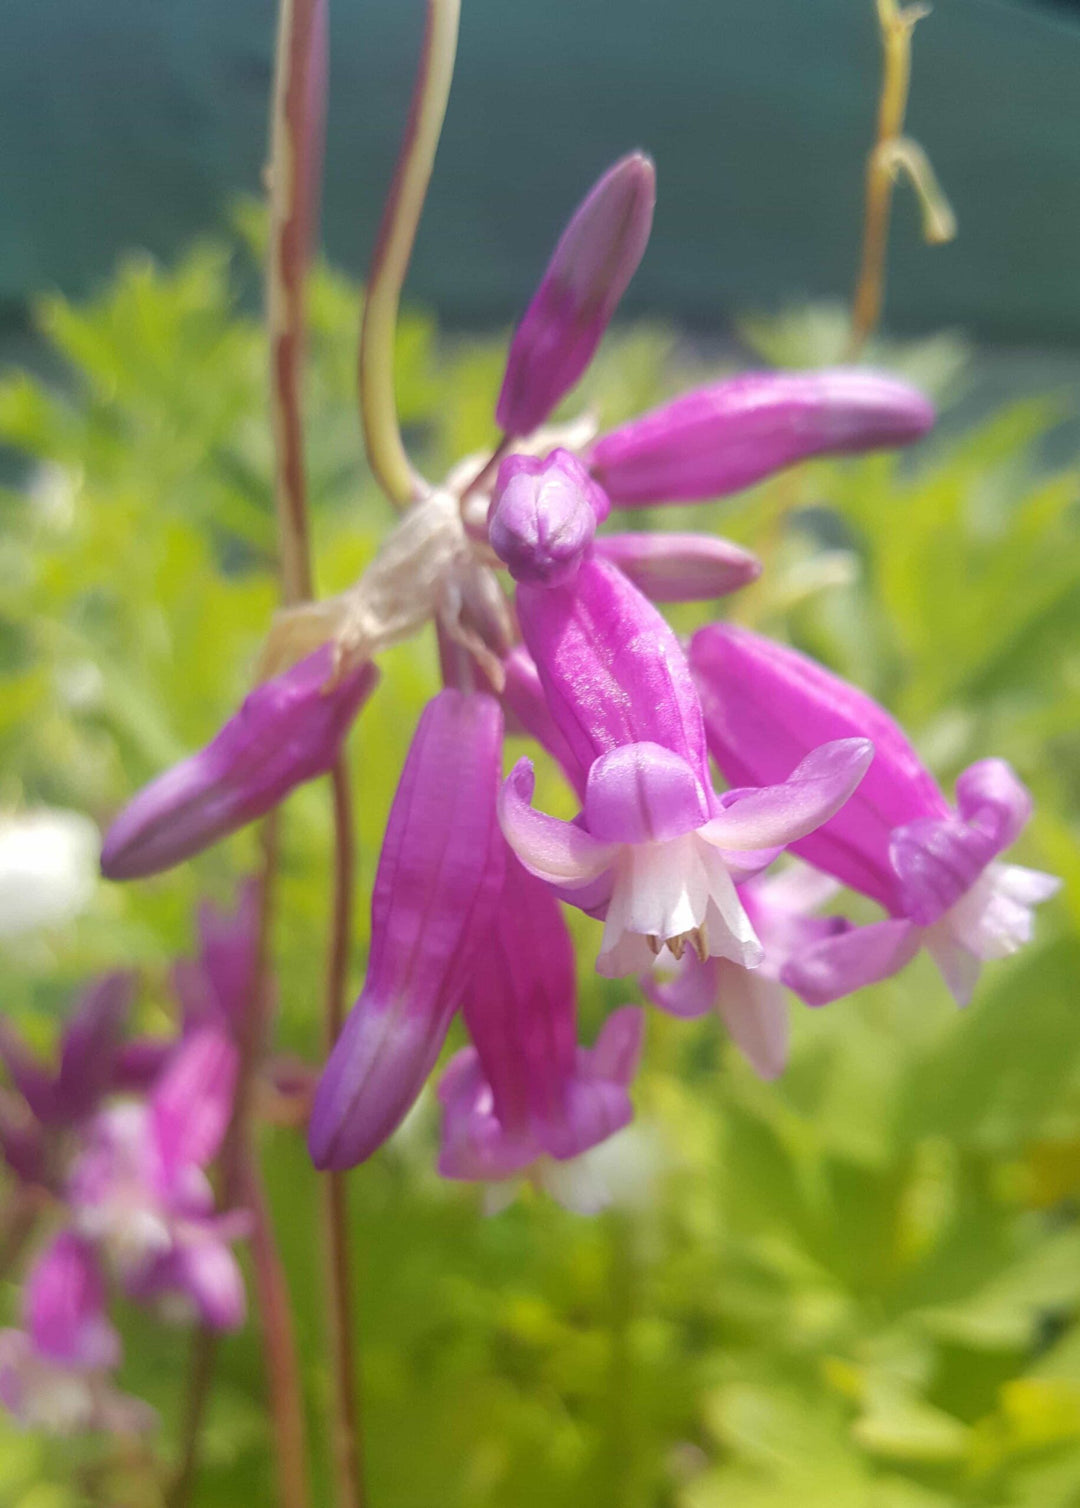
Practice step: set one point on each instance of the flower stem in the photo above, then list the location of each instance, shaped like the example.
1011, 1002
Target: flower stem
16, 1227
393, 248
235, 1183
891, 154
347, 1449
204, 1347
296, 142
282, 1365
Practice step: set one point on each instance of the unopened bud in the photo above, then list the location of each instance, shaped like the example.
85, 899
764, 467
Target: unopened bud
718, 439
543, 517
590, 268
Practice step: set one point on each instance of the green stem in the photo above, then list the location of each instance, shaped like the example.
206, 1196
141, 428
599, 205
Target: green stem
393, 249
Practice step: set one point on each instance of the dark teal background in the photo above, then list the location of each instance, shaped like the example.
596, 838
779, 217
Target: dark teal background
134, 122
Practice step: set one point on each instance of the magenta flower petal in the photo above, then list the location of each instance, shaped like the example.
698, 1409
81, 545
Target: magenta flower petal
781, 814
64, 1307
993, 800
30, 1076
90, 1045
217, 988
691, 991
287, 731
191, 1104
561, 853
611, 667
524, 701
718, 439
590, 268
850, 960
643, 793
438, 881
936, 861
543, 516
526, 1091
680, 567
202, 1270
766, 706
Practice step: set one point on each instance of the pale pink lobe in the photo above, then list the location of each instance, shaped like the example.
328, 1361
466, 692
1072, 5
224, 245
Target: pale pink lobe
191, 1104
680, 567
718, 439
64, 1306
438, 881
851, 960
561, 853
761, 817
597, 255
289, 730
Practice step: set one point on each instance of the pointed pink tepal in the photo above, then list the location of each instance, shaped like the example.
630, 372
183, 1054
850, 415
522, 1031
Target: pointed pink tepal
439, 878
717, 439
588, 274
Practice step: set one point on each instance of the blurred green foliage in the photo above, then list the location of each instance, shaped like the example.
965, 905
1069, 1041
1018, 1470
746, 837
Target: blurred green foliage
858, 1286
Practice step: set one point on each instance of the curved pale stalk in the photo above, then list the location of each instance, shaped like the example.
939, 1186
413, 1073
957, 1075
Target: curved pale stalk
393, 249
891, 154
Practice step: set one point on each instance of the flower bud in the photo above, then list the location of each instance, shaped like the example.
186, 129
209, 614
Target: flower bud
680, 567
590, 268
288, 730
543, 516
718, 439
439, 877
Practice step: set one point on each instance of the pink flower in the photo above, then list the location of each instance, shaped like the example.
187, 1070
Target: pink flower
655, 851
936, 870
752, 1003
54, 1372
525, 1093
139, 1189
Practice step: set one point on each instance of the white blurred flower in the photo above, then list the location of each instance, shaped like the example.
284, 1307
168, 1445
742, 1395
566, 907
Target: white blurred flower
48, 868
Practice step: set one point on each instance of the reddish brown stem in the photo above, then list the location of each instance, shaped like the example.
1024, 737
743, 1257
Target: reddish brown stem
340, 1313
279, 1341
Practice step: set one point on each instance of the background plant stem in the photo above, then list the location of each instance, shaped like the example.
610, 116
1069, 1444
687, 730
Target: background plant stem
342, 1335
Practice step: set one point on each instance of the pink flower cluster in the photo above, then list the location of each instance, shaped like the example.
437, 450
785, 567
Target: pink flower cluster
114, 1146
678, 873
